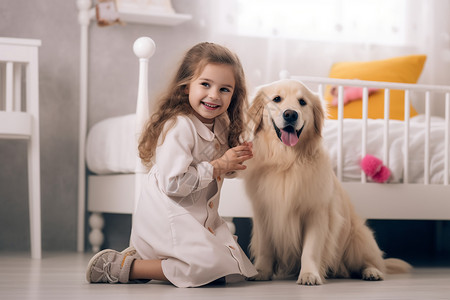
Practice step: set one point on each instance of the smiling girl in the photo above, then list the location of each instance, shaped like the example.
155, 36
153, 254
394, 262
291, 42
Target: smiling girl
190, 143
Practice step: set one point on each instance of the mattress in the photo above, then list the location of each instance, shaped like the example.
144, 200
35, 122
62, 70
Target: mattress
111, 147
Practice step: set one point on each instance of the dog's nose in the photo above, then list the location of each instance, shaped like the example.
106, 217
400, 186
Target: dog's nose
290, 115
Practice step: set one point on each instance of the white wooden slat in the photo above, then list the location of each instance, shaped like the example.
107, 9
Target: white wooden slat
142, 109
340, 156
142, 115
406, 139
320, 90
365, 112
9, 86
426, 159
386, 126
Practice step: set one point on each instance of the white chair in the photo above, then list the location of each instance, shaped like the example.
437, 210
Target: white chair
20, 119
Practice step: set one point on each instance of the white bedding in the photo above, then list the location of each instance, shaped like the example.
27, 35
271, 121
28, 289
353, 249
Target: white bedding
352, 147
111, 147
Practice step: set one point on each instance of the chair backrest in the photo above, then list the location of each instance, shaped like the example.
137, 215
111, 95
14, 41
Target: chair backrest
19, 91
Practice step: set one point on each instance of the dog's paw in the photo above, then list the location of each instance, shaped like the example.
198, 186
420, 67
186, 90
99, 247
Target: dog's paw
262, 276
309, 278
372, 274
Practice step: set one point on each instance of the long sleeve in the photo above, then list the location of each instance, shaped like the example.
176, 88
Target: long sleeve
179, 173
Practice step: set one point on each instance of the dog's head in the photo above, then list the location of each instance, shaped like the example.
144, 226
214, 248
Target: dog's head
287, 110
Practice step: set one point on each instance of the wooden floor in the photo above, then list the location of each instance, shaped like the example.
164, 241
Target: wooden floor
62, 276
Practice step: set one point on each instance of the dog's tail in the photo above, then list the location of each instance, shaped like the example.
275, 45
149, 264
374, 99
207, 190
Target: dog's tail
396, 266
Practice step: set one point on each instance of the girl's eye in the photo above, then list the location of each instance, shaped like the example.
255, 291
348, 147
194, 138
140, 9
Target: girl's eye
277, 99
205, 84
225, 90
302, 102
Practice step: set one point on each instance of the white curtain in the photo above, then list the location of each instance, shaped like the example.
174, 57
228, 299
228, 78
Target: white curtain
306, 37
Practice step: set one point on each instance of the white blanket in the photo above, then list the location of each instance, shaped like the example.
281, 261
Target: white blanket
111, 147
352, 138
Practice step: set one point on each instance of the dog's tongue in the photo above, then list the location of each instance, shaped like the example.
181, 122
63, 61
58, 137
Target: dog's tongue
289, 138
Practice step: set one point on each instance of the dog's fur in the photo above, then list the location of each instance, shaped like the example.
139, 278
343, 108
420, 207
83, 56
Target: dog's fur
304, 223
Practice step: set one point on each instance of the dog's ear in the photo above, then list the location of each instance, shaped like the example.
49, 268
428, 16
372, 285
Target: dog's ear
255, 115
319, 111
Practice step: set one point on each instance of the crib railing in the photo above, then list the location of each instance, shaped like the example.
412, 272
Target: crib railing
375, 201
441, 93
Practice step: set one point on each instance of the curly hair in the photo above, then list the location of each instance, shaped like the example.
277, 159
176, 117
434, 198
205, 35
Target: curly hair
176, 101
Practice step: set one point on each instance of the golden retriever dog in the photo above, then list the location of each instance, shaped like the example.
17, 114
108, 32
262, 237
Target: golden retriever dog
304, 223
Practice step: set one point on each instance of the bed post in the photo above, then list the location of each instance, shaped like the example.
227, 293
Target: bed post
84, 18
144, 48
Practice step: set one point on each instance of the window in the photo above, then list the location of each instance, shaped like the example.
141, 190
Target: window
369, 21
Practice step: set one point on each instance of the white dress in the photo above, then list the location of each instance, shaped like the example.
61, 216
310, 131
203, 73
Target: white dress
176, 217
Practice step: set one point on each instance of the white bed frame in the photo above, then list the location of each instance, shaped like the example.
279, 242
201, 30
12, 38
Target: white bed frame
117, 193
372, 200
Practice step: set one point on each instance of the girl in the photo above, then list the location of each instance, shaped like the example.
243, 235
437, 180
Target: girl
192, 141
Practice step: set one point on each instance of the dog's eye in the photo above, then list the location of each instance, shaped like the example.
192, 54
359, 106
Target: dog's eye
277, 99
302, 102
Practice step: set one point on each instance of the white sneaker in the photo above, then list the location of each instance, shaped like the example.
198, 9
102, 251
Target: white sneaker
110, 266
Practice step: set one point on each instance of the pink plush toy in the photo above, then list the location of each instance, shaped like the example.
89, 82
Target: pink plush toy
351, 93
375, 169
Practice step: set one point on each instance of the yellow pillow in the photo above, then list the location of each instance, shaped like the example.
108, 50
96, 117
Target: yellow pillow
405, 69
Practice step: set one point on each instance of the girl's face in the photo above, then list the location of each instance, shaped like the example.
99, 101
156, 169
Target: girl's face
210, 94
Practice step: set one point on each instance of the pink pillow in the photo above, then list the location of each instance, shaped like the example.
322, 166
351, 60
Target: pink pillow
350, 94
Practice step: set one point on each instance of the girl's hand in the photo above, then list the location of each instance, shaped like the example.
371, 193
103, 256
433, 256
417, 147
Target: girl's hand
232, 159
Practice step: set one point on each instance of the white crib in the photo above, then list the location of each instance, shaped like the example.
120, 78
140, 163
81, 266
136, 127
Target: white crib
406, 198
